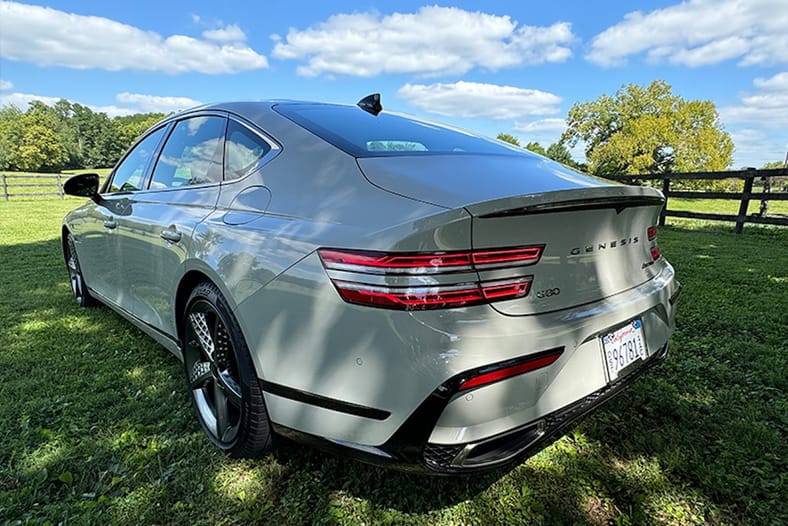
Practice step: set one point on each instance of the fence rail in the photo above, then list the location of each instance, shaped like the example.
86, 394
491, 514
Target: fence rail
43, 181
743, 197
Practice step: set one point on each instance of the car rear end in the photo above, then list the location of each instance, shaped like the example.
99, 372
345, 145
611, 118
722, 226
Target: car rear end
562, 300
463, 348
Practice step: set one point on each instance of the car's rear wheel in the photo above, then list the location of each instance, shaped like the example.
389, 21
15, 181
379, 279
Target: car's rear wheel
221, 377
81, 294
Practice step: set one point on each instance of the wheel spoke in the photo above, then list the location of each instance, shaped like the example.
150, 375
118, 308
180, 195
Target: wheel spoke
200, 325
230, 387
220, 409
200, 374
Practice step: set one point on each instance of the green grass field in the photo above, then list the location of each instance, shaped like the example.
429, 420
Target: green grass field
97, 427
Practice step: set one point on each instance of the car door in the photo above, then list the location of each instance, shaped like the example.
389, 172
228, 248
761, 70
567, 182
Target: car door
156, 237
98, 234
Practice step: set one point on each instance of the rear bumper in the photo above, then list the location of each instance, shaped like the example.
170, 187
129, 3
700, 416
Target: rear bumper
409, 449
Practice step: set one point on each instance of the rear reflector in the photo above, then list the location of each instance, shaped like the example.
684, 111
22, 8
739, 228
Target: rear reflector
530, 364
452, 282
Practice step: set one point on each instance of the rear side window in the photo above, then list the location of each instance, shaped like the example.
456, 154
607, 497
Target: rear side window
192, 155
364, 135
244, 149
130, 172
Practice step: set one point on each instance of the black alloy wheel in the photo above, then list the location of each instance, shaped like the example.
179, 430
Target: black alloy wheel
222, 382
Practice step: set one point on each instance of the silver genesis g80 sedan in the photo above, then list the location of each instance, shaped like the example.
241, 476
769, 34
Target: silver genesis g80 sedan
398, 290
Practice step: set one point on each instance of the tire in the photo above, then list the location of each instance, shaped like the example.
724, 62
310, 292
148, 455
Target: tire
76, 279
221, 378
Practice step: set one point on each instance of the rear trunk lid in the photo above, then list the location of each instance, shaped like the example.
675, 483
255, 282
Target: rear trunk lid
595, 243
594, 233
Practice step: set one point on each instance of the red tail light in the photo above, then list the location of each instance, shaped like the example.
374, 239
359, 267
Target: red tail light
427, 280
652, 237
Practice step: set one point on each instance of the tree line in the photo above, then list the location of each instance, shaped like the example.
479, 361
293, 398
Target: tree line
66, 136
638, 130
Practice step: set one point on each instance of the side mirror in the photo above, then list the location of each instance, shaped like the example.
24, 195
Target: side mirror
82, 185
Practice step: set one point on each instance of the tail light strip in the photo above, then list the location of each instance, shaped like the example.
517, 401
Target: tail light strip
652, 237
350, 271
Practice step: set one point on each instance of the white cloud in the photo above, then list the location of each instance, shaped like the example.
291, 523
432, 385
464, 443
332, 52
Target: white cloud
542, 127
156, 104
471, 99
6, 85
699, 32
22, 100
756, 124
433, 41
131, 103
765, 108
231, 33
756, 147
48, 37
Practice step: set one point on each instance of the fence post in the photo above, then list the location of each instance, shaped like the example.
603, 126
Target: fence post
665, 190
60, 186
745, 201
5, 187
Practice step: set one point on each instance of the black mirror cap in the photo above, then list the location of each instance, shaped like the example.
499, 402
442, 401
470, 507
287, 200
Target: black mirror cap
82, 185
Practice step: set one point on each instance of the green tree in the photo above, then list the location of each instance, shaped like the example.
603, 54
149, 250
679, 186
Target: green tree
40, 150
10, 134
648, 130
536, 148
559, 153
773, 164
506, 137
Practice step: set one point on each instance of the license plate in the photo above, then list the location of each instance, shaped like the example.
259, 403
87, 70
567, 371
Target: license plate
624, 347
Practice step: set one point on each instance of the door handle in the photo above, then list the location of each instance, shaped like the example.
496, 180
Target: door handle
110, 223
173, 236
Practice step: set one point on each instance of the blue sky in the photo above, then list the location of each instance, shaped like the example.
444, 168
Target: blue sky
492, 66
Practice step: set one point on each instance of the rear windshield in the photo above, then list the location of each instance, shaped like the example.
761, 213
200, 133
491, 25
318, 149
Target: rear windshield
362, 134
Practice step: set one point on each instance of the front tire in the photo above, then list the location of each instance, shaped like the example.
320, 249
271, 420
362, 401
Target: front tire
221, 378
76, 279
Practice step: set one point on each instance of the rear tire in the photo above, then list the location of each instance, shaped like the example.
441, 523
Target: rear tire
222, 382
77, 280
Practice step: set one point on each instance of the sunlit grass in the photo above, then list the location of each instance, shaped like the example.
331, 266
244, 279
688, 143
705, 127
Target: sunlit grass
97, 427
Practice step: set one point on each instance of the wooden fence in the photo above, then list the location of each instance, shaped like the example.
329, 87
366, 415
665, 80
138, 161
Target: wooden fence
32, 185
744, 197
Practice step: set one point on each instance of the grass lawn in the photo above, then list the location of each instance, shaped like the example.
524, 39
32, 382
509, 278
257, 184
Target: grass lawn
724, 206
97, 427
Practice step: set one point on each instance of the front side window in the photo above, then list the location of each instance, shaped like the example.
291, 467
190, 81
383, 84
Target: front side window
130, 172
244, 149
192, 154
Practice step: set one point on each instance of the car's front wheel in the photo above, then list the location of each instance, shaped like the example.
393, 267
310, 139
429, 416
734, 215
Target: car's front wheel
81, 294
222, 382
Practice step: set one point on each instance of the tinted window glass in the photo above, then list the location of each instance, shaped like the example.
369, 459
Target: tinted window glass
129, 174
192, 154
244, 149
364, 135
